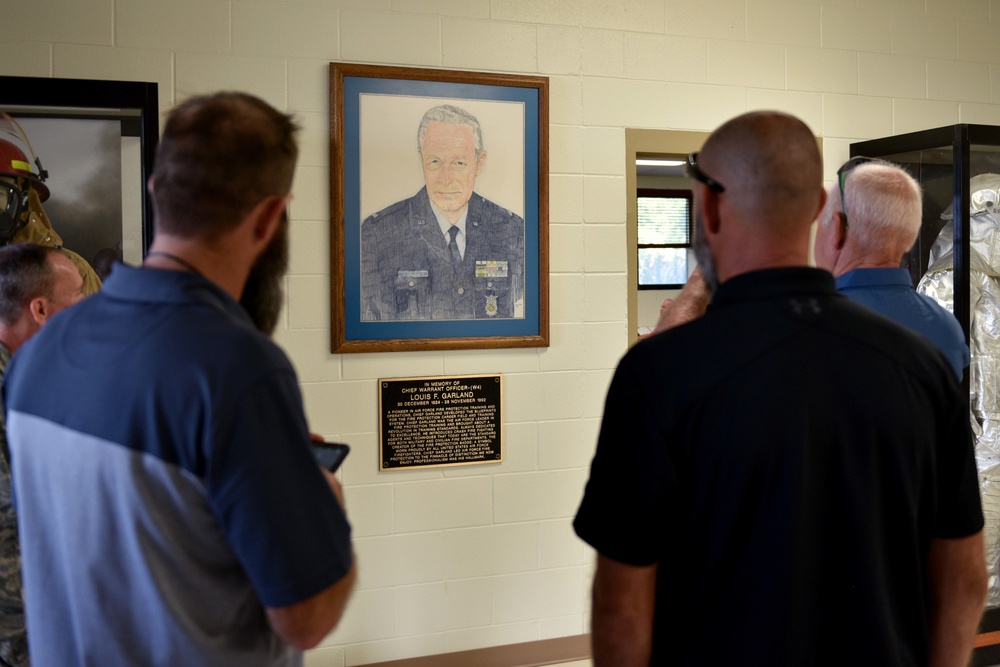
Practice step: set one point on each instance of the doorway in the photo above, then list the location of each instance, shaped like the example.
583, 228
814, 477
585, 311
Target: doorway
672, 145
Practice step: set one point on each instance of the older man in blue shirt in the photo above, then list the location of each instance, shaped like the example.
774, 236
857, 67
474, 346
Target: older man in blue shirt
872, 216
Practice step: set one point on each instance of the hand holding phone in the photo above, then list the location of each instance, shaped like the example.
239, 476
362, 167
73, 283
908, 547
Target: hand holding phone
330, 454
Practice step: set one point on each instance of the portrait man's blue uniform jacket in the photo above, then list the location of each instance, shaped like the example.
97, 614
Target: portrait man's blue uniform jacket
408, 272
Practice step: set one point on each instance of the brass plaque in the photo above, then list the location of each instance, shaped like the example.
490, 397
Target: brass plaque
431, 422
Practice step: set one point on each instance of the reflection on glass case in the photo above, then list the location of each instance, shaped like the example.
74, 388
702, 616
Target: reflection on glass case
956, 260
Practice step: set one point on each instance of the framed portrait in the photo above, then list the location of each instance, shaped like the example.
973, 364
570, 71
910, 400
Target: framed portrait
95, 140
439, 209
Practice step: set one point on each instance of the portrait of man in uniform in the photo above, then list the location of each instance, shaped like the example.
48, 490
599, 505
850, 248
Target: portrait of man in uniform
446, 252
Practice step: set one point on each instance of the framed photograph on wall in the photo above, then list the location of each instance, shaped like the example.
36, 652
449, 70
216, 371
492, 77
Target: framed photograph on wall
439, 209
96, 141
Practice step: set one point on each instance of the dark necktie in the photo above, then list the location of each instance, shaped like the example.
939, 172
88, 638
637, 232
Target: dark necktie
456, 255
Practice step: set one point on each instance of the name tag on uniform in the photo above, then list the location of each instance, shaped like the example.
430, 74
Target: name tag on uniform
491, 268
412, 274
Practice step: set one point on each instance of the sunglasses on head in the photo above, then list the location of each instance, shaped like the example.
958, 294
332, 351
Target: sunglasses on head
842, 173
692, 170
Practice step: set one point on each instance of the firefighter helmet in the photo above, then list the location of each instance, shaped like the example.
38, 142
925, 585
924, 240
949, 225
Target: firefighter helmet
16, 179
19, 174
13, 162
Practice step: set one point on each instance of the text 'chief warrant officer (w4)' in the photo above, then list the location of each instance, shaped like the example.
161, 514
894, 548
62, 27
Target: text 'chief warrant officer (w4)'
447, 252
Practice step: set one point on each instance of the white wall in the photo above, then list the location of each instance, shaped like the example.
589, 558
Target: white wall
472, 557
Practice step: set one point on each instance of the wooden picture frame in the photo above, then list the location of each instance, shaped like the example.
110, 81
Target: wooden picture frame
395, 282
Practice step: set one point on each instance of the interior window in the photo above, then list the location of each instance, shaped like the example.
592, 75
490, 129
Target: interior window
664, 237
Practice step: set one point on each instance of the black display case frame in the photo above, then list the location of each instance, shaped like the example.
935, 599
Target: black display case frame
134, 103
944, 161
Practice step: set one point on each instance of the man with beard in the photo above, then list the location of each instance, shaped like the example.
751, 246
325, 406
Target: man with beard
262, 295
170, 510
790, 469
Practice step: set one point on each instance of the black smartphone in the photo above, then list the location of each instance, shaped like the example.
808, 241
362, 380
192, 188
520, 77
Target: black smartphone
330, 454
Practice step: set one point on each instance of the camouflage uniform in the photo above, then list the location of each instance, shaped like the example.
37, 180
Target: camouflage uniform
407, 272
13, 639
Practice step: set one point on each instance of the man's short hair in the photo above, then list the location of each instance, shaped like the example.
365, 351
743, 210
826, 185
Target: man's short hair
770, 165
25, 274
447, 113
220, 155
884, 205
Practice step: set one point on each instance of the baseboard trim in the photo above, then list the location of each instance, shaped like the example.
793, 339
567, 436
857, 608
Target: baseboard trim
527, 654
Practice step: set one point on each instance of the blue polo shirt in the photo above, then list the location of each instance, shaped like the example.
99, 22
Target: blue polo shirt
890, 293
165, 488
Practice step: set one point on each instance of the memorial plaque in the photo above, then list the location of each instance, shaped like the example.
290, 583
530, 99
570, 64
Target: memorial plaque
439, 421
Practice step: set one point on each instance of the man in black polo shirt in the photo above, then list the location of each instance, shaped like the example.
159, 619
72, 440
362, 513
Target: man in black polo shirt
788, 480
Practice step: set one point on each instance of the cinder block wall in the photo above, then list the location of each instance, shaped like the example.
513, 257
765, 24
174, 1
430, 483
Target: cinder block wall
471, 557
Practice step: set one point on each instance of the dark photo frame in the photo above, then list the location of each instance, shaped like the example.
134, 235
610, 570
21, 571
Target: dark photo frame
395, 282
97, 140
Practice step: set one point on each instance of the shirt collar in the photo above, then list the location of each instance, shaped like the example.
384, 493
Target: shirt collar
769, 283
875, 278
443, 221
130, 283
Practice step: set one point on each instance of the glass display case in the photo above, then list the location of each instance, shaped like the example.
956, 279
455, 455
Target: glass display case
956, 260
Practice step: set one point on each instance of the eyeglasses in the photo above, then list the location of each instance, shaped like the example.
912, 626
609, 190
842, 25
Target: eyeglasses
842, 173
692, 170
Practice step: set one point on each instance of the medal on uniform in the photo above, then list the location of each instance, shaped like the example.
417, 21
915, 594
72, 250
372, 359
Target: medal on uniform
491, 268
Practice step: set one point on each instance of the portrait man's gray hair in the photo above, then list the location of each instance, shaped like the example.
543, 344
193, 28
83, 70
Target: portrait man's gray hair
447, 113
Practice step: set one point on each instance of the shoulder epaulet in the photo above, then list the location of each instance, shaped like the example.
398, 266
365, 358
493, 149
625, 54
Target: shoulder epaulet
494, 208
389, 210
